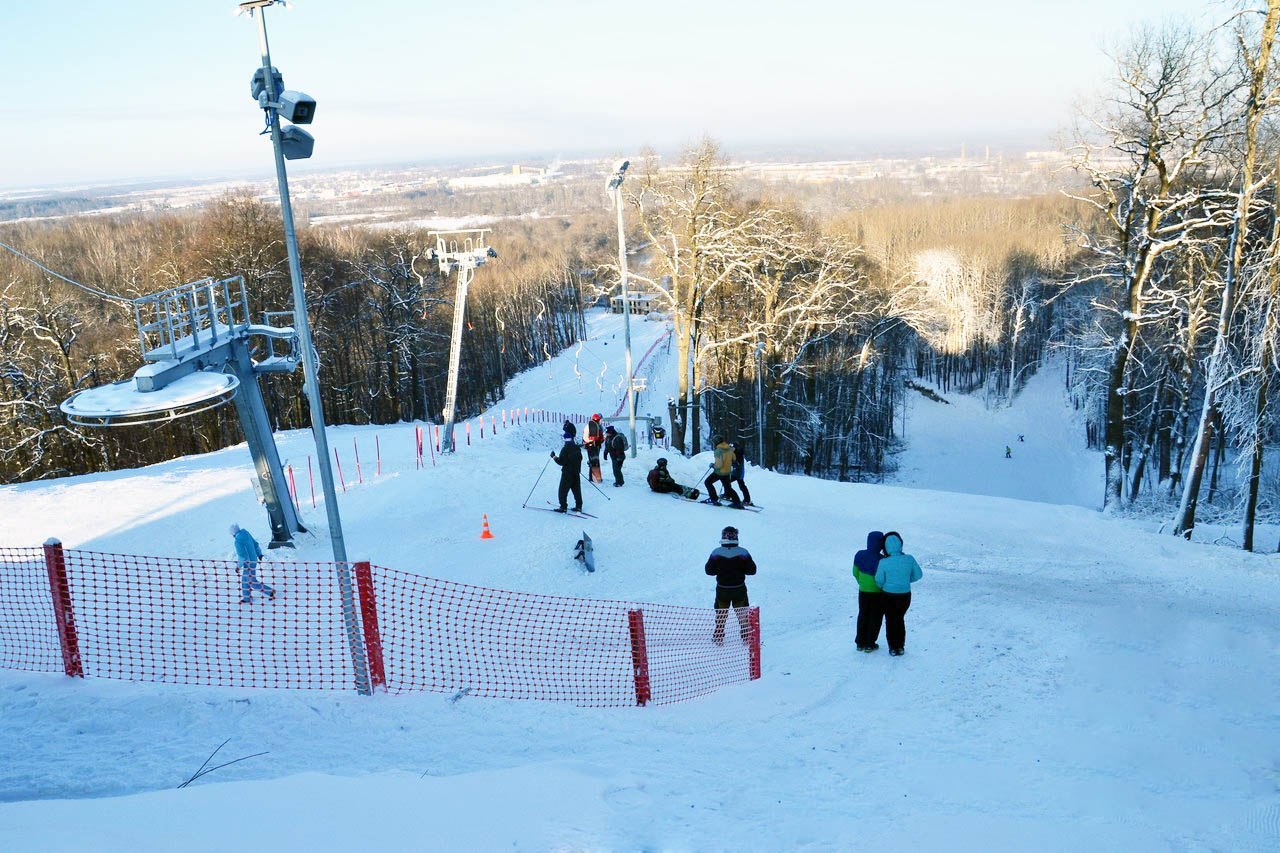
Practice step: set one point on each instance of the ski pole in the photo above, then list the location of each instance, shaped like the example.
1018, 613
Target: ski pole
536, 482
594, 486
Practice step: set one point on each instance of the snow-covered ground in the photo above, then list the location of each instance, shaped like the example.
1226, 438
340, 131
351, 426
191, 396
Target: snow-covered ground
1071, 680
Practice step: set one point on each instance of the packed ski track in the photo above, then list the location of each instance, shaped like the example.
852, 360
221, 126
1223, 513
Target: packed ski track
1071, 679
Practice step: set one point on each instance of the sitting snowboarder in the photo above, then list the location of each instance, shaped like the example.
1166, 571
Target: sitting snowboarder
661, 481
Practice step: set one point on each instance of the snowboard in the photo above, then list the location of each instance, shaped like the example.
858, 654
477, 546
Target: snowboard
753, 508
585, 552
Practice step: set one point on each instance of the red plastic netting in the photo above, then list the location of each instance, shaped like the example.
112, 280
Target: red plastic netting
28, 633
444, 636
181, 621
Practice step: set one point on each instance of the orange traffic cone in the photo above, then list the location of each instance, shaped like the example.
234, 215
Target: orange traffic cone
485, 534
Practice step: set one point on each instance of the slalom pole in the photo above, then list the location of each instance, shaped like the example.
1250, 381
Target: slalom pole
536, 482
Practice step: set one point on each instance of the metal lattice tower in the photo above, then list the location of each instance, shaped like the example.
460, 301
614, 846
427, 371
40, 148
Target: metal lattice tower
461, 252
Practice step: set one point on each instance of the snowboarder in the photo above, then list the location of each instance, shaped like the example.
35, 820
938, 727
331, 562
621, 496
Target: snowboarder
615, 447
729, 565
1008, 452
722, 473
870, 598
248, 554
593, 443
1021, 437
895, 574
740, 469
570, 462
661, 481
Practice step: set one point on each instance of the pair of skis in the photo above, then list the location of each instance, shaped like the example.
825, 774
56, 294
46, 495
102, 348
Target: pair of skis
569, 512
727, 505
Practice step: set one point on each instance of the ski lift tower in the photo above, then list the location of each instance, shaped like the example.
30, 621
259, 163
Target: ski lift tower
461, 252
198, 344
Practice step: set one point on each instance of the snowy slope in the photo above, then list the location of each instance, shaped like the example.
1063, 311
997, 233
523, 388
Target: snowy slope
958, 446
1071, 680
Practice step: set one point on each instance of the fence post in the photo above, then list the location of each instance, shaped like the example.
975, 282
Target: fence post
55, 561
639, 657
369, 617
754, 642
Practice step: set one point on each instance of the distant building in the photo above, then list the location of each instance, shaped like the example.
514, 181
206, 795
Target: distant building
640, 302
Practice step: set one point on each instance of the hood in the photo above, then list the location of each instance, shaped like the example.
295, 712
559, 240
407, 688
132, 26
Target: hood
868, 560
893, 544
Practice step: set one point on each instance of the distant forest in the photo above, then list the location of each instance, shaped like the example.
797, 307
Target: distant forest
1154, 285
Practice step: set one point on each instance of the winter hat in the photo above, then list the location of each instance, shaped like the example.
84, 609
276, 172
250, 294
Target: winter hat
662, 462
610, 428
570, 429
729, 536
235, 528
596, 416
719, 439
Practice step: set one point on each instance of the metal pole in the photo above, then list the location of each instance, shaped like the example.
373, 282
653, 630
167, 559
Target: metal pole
626, 321
311, 385
760, 403
455, 358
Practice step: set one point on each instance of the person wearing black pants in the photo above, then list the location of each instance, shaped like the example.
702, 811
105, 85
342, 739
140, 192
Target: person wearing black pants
870, 598
615, 446
729, 565
570, 462
895, 573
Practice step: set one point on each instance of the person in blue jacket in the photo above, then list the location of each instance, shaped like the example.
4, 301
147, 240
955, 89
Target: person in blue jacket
248, 553
870, 598
895, 574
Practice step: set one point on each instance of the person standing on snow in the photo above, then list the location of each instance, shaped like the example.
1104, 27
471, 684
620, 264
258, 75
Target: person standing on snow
248, 554
895, 574
729, 565
615, 447
739, 470
570, 462
1008, 452
870, 598
661, 481
593, 443
722, 473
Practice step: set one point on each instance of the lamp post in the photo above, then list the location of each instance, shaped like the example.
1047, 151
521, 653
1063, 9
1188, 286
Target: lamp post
760, 403
294, 143
615, 190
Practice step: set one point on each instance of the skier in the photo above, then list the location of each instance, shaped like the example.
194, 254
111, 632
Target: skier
615, 447
739, 469
895, 574
661, 481
870, 598
722, 473
248, 553
730, 565
1008, 452
593, 443
570, 462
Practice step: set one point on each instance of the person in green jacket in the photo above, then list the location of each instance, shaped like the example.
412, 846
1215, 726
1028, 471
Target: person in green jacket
870, 598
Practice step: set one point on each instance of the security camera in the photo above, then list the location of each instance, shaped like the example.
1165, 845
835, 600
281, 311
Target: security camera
296, 143
258, 84
297, 107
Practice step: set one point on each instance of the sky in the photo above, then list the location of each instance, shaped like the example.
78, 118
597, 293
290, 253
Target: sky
100, 92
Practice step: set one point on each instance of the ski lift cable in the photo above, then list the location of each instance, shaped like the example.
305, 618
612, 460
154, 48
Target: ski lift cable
88, 289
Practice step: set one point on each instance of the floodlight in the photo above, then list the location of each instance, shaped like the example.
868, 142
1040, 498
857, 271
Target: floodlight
258, 84
619, 170
296, 143
297, 107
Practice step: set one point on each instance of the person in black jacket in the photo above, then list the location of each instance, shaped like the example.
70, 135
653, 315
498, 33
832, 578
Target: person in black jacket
730, 565
615, 447
570, 462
